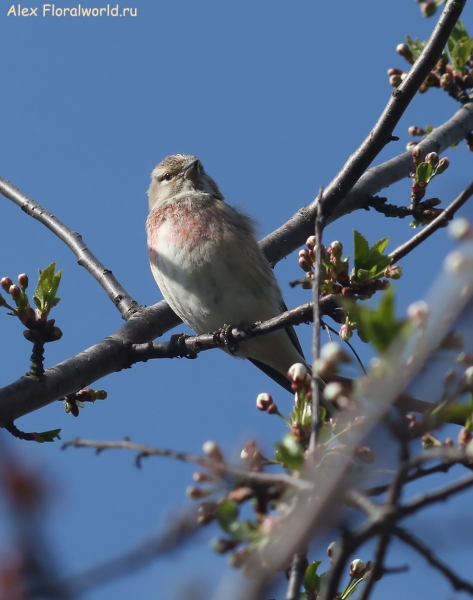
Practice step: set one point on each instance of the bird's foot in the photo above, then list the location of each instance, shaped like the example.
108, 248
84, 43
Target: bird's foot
224, 335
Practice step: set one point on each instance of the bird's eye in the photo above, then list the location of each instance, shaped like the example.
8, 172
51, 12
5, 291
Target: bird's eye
167, 176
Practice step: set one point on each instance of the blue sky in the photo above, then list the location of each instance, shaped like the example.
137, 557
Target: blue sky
273, 97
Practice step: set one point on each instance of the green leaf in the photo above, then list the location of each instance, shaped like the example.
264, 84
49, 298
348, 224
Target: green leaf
290, 453
424, 172
369, 262
311, 579
416, 46
460, 54
47, 436
227, 514
46, 289
380, 326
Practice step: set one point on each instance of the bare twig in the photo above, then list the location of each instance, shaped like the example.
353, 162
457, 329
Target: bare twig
117, 294
432, 227
409, 539
219, 469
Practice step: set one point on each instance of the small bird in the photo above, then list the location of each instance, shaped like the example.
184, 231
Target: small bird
209, 267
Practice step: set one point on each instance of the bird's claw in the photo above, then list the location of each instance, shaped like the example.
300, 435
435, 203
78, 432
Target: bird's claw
224, 335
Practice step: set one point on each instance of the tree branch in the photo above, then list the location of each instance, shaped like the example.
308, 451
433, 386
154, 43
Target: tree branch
428, 230
218, 468
426, 552
117, 294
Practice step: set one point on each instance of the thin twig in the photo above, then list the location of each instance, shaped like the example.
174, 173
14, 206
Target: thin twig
218, 468
428, 230
117, 294
412, 541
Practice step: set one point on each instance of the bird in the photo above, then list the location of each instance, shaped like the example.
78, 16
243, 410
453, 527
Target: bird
206, 261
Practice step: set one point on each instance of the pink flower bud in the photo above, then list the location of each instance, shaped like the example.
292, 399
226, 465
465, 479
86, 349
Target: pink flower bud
345, 332
336, 249
357, 567
264, 401
432, 158
393, 272
298, 372
6, 283
443, 165
23, 281
418, 313
417, 155
15, 292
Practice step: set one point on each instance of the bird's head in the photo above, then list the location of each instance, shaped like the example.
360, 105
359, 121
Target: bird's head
177, 174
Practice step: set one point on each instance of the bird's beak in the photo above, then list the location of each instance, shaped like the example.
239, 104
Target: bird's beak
192, 169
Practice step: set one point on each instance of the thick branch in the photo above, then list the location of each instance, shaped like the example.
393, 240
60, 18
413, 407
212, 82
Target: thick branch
115, 353
287, 238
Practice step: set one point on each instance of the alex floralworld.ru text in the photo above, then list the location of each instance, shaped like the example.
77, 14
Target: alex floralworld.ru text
51, 10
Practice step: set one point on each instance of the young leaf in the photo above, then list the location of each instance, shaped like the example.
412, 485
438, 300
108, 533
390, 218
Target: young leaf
311, 579
46, 289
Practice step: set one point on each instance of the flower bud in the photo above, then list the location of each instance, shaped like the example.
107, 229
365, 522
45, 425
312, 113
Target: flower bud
15, 292
460, 229
357, 567
310, 243
464, 437
196, 493
23, 281
442, 166
333, 551
457, 262
240, 494
212, 450
336, 249
428, 9
417, 155
411, 145
6, 283
333, 352
404, 51
393, 272
206, 513
418, 313
332, 391
304, 261
200, 477
446, 80
298, 372
394, 72
432, 158
415, 131
345, 332
395, 81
